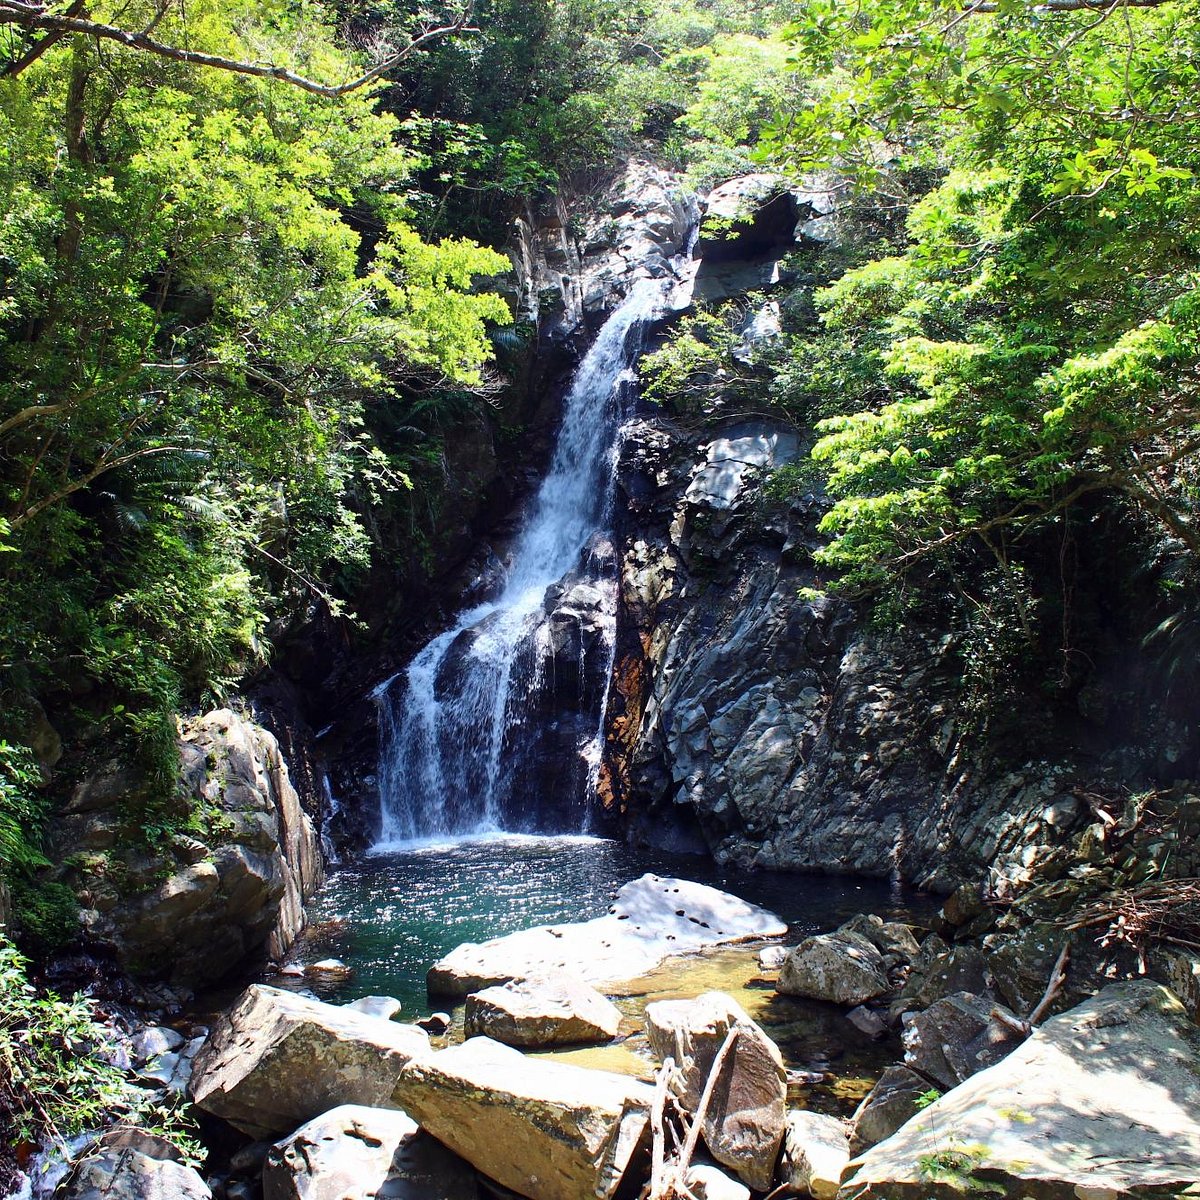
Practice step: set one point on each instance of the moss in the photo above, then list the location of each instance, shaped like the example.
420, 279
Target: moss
47, 915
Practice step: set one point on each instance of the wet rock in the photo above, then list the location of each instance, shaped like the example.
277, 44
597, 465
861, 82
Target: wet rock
436, 1023
888, 937
154, 1040
816, 1150
891, 1102
962, 905
328, 972
1100, 1102
957, 1037
744, 1122
556, 1009
278, 1059
546, 1130
353, 1151
133, 1165
651, 919
841, 967
384, 1007
772, 958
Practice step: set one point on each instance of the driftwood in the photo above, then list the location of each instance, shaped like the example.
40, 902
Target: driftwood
668, 1178
1058, 976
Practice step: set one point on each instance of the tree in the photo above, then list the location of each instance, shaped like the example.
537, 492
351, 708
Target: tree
53, 23
1036, 342
192, 338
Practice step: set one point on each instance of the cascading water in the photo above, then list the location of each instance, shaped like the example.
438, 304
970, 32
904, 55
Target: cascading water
456, 735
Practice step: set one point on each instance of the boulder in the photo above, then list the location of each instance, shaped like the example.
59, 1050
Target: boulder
939, 971
956, 1037
771, 958
1021, 963
557, 1009
891, 1102
354, 1153
1101, 1101
867, 1021
384, 1007
186, 911
841, 967
707, 1182
816, 1150
744, 1122
131, 1164
888, 937
651, 919
278, 1059
547, 1130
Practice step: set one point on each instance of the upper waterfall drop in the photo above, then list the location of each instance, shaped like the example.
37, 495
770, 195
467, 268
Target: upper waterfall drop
458, 739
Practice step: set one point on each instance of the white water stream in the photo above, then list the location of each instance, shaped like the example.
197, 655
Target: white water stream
450, 726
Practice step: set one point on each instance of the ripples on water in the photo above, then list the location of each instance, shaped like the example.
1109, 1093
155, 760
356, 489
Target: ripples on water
393, 914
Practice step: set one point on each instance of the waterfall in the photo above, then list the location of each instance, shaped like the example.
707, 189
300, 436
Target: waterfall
459, 730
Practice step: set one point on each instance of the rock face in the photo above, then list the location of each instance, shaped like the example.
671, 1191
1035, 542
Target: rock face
748, 217
278, 1059
236, 896
569, 270
354, 1151
841, 967
557, 1009
652, 918
546, 1130
815, 1153
744, 1122
1100, 1102
773, 728
133, 1165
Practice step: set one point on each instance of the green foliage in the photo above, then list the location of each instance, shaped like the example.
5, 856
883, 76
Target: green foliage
197, 346
53, 1084
22, 809
47, 915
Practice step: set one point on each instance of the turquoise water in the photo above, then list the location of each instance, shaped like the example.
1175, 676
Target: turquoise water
389, 917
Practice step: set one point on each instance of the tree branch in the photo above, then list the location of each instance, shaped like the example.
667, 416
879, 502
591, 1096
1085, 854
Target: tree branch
28, 16
993, 6
40, 47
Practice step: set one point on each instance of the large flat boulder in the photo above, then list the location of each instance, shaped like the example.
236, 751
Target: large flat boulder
745, 1119
555, 1010
277, 1059
651, 919
1102, 1101
354, 1153
545, 1129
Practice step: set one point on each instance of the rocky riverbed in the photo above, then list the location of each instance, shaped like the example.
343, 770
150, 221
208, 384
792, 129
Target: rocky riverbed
315, 1101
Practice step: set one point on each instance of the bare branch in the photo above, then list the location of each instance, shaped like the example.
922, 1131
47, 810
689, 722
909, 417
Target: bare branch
28, 16
41, 46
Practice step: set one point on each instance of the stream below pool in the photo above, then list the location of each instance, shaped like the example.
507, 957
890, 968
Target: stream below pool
390, 916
